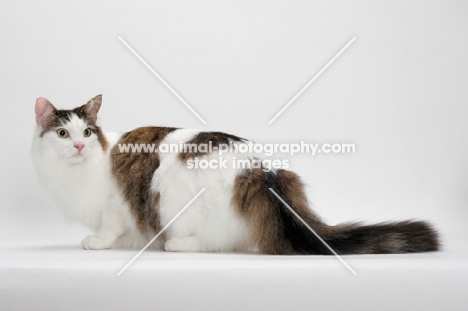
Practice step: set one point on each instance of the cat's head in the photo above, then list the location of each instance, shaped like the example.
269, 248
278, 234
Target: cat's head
70, 135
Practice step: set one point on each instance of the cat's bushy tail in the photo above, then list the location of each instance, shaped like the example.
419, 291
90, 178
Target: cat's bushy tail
382, 238
277, 230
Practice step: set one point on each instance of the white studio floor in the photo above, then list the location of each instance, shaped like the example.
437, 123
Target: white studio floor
38, 275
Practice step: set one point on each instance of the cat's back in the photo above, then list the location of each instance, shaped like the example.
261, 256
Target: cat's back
138, 154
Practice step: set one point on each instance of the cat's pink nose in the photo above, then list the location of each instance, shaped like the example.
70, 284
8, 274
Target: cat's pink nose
78, 146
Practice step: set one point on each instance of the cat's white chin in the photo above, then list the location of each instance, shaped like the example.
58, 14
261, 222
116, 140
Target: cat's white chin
77, 158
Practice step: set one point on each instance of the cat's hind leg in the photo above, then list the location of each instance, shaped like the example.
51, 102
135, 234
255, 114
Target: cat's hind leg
185, 244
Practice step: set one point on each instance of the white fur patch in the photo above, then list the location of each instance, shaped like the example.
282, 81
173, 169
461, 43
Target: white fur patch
210, 223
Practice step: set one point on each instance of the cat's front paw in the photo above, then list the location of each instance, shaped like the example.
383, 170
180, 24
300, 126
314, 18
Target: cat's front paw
93, 242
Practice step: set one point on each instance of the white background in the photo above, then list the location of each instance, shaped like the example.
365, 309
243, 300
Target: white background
399, 93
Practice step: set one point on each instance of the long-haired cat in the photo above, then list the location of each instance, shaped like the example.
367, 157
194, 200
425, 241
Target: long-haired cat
126, 198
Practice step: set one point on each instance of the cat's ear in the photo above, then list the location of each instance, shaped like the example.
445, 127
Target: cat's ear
91, 109
44, 110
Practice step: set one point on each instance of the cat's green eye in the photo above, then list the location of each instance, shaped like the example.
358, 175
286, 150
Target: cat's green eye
87, 132
62, 133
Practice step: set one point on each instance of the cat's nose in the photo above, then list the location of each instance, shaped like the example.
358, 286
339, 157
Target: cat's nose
78, 146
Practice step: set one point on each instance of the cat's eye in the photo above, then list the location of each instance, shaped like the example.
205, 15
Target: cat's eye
62, 133
87, 132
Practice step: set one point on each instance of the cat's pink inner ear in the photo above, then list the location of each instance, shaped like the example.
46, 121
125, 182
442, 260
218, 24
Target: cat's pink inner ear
43, 109
93, 106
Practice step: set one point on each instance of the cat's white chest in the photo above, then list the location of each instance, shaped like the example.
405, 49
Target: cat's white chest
81, 190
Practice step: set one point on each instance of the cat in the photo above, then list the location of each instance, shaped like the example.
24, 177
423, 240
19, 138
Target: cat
126, 198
